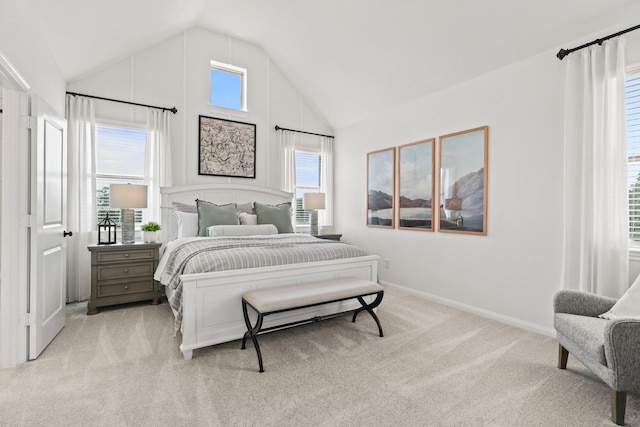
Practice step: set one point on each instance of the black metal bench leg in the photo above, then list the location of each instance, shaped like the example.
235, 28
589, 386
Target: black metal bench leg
369, 308
252, 331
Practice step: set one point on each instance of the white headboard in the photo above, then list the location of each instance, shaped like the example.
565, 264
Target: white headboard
214, 193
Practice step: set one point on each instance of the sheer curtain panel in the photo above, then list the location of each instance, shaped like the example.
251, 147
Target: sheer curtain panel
81, 195
158, 160
596, 257
325, 216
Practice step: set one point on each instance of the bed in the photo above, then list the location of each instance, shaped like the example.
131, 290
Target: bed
210, 301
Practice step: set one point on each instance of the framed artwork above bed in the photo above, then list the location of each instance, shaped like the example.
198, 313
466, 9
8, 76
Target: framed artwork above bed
226, 148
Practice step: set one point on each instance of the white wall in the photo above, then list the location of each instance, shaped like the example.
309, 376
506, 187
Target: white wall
26, 48
513, 272
176, 73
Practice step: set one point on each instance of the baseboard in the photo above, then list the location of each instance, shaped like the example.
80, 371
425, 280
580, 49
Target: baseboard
527, 326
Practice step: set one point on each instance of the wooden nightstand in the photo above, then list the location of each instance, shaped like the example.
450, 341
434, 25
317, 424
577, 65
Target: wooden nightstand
329, 236
123, 273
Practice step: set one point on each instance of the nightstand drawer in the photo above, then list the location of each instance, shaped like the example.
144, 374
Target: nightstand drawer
124, 271
125, 288
132, 255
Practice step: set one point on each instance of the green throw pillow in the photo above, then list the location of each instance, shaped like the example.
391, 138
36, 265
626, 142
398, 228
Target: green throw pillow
211, 214
279, 215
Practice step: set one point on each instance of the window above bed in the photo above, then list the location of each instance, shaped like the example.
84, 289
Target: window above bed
228, 86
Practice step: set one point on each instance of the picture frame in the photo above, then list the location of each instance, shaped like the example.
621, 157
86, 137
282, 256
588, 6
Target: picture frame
463, 164
381, 167
226, 148
416, 164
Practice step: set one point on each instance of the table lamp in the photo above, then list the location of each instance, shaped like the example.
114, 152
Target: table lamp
128, 197
312, 202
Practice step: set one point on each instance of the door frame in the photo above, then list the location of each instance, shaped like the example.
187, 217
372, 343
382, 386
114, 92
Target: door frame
14, 276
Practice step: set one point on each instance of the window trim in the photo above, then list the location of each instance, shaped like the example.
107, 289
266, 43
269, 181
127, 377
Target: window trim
228, 68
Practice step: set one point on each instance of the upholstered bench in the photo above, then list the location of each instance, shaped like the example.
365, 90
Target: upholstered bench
278, 299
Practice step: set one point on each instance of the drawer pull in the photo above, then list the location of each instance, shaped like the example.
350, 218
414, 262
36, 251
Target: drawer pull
126, 270
126, 286
126, 255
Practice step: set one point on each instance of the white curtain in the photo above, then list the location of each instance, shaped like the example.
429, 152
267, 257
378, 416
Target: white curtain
596, 216
81, 195
158, 160
325, 217
288, 143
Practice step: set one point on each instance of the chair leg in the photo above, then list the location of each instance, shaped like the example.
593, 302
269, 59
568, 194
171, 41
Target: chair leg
563, 355
618, 406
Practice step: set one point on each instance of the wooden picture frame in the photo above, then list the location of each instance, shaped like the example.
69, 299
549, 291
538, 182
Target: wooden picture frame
416, 164
381, 167
463, 165
226, 148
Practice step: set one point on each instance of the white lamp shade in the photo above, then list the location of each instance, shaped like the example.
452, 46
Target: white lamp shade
312, 201
127, 196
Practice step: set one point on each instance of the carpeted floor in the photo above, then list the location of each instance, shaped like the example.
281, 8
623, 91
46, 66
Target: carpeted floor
436, 366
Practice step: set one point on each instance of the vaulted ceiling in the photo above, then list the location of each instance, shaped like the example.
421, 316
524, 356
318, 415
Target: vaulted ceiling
353, 59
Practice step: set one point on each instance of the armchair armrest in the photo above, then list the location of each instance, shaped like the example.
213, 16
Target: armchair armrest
622, 350
581, 303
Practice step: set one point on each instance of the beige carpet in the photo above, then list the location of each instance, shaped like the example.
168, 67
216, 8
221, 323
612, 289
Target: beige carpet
436, 366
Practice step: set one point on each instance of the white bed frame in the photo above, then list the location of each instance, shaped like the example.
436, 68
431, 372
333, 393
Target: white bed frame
212, 308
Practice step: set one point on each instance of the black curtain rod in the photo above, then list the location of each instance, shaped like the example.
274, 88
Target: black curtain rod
564, 52
174, 110
301, 131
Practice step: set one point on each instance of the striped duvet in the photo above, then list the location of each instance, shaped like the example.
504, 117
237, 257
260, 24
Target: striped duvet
206, 254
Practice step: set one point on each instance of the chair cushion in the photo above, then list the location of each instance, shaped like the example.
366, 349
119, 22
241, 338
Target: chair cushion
586, 332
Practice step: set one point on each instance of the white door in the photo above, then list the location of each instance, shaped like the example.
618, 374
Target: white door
47, 281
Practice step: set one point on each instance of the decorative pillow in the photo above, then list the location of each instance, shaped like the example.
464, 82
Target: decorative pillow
279, 215
628, 306
241, 230
247, 219
246, 207
181, 207
187, 224
211, 214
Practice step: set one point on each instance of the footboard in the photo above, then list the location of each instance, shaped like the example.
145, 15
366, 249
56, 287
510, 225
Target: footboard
212, 302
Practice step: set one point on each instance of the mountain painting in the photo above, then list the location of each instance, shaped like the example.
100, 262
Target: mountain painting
380, 188
463, 182
416, 164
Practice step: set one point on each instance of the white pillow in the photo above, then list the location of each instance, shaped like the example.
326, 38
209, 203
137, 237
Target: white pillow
241, 230
187, 224
628, 306
247, 219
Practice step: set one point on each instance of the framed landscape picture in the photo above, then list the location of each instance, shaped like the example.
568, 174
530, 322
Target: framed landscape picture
227, 148
463, 181
416, 185
381, 188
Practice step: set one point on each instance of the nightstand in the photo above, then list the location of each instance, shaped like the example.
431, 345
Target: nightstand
123, 273
329, 236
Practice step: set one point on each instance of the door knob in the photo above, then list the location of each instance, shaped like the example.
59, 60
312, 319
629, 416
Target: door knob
67, 233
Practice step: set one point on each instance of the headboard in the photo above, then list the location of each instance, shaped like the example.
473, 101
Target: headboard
214, 193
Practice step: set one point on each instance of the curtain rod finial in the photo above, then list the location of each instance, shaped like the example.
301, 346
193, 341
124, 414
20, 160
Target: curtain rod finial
562, 53
174, 110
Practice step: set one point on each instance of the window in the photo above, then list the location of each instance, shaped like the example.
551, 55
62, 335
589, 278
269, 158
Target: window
120, 159
307, 181
632, 95
228, 86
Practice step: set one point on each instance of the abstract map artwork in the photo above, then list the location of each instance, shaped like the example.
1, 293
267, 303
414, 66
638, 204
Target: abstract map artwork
227, 148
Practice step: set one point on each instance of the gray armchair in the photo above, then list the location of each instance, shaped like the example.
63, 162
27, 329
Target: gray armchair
609, 348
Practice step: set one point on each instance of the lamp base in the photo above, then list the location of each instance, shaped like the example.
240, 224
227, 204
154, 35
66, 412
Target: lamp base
127, 218
314, 223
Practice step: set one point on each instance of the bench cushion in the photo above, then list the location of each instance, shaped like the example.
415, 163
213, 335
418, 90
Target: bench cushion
267, 300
